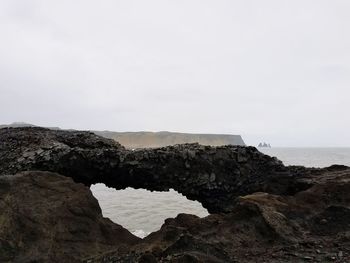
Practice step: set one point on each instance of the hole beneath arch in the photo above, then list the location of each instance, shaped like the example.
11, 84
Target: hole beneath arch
142, 211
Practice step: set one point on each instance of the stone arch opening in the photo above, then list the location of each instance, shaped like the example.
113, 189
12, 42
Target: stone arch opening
142, 211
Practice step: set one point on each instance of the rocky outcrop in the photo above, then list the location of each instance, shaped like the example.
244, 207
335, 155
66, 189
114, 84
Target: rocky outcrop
135, 140
261, 210
311, 226
214, 176
46, 217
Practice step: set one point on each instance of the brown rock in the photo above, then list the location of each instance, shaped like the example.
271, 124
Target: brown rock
45, 217
261, 228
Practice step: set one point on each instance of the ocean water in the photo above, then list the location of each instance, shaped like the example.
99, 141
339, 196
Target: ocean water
142, 211
310, 157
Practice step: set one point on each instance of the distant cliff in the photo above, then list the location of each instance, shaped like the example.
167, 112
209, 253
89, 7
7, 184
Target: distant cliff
134, 140
160, 139
17, 125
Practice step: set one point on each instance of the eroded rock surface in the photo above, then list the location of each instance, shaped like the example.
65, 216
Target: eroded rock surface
261, 210
311, 226
214, 176
46, 217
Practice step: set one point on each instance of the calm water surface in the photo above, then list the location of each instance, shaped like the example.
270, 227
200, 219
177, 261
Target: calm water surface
142, 211
310, 157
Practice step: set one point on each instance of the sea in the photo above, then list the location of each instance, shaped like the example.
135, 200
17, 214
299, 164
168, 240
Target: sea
142, 212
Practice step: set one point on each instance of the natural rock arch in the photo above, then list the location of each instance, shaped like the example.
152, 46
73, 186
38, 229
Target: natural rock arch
300, 209
214, 176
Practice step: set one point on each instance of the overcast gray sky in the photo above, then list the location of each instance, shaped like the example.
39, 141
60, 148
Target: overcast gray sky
272, 70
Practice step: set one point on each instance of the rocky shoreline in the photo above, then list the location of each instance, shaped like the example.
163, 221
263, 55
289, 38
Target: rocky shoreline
260, 210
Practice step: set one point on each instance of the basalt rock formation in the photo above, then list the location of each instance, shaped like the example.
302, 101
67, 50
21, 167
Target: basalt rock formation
214, 176
261, 210
311, 226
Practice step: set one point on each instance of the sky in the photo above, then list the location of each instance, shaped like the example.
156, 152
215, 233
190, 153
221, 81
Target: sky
273, 70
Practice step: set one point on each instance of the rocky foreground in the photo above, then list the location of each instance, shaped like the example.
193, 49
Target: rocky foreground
260, 210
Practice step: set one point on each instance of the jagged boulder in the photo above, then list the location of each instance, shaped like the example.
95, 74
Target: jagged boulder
46, 217
312, 225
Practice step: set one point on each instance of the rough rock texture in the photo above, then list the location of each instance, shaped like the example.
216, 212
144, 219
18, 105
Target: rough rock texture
311, 226
261, 210
80, 155
214, 176
45, 217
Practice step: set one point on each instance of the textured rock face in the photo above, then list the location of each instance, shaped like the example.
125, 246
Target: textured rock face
214, 176
80, 155
312, 225
45, 217
272, 213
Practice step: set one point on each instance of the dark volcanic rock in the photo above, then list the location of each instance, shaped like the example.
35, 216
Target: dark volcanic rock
83, 156
45, 217
312, 225
262, 211
214, 176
